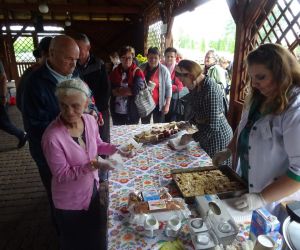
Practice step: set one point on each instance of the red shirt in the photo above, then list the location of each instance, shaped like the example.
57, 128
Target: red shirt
155, 94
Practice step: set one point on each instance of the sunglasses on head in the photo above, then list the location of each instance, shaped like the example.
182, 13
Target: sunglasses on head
178, 74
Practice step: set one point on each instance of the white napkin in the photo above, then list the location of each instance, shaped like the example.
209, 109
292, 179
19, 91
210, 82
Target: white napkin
174, 142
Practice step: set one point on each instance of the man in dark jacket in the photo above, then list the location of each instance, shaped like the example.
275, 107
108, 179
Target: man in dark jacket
92, 70
40, 105
41, 54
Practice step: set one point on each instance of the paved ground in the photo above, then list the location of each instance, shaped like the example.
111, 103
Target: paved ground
24, 213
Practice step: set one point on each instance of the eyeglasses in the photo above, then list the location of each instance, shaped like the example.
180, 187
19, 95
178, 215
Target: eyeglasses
178, 74
126, 58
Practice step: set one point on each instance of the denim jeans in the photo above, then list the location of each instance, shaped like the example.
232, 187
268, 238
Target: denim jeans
6, 124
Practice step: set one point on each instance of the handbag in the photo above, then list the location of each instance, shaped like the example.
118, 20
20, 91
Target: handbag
182, 107
144, 101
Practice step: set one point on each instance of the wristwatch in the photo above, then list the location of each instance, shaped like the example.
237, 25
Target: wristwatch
93, 165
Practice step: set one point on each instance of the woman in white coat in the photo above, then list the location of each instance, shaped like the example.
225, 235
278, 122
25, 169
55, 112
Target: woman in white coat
267, 139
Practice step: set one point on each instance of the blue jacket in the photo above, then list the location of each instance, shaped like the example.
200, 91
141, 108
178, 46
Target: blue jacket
40, 106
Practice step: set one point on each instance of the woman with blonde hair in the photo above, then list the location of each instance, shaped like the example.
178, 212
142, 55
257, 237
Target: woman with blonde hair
206, 107
267, 141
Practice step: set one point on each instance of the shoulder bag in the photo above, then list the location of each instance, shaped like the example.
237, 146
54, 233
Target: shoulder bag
143, 100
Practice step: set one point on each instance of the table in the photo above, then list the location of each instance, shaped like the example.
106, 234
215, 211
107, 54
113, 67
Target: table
140, 172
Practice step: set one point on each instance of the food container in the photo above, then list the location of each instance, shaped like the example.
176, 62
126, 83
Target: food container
151, 224
217, 217
264, 242
263, 222
225, 182
157, 133
173, 226
130, 148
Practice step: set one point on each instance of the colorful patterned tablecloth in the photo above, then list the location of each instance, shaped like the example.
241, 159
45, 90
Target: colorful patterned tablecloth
148, 168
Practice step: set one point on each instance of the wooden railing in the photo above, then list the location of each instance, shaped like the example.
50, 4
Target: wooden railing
22, 66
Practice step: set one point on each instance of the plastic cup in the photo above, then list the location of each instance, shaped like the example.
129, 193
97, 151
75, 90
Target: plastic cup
173, 226
150, 225
264, 242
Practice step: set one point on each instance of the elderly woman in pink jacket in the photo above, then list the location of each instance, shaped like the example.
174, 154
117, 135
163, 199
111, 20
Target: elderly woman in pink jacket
71, 145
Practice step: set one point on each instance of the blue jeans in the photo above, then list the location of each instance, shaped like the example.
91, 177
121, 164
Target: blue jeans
6, 124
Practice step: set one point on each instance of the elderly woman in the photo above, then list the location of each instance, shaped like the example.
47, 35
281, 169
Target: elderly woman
71, 145
267, 139
206, 100
159, 75
213, 69
126, 82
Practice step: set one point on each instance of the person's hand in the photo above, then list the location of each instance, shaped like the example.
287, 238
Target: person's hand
185, 139
102, 164
94, 114
249, 202
165, 109
123, 91
221, 156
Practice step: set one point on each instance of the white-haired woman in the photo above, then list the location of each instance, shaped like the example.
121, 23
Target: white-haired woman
71, 145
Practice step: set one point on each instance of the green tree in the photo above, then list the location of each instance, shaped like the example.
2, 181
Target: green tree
23, 45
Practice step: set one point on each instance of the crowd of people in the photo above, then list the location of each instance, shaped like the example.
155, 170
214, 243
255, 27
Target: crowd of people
67, 99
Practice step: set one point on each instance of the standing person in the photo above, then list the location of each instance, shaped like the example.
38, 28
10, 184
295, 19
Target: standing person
92, 70
213, 69
214, 133
160, 76
71, 145
126, 81
178, 90
226, 65
5, 122
40, 105
115, 59
267, 139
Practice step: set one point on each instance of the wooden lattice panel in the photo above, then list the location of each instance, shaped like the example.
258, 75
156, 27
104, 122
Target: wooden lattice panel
23, 48
155, 35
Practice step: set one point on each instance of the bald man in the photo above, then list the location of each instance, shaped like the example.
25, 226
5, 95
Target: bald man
40, 105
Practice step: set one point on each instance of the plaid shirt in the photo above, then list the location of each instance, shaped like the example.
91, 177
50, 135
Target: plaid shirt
214, 133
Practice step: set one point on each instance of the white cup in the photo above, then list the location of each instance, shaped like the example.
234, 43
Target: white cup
150, 225
173, 226
264, 242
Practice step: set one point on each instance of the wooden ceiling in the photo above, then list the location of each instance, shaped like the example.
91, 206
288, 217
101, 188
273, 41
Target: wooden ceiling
18, 11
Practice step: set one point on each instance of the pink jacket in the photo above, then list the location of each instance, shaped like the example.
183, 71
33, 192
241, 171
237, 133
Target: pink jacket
72, 174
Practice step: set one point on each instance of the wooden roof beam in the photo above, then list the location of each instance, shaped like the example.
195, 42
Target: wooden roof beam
80, 8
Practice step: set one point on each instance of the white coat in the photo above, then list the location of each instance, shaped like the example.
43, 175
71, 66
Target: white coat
274, 148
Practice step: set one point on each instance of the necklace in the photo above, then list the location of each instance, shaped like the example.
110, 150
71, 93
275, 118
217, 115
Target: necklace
81, 142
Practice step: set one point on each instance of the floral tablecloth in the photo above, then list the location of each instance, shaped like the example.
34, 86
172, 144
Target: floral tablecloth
148, 168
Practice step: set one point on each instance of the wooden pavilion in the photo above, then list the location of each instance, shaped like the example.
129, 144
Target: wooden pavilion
113, 23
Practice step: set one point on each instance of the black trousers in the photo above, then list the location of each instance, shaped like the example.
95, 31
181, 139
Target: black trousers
81, 229
105, 129
158, 117
6, 124
120, 119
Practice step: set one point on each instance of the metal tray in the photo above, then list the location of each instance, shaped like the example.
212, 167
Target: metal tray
233, 176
